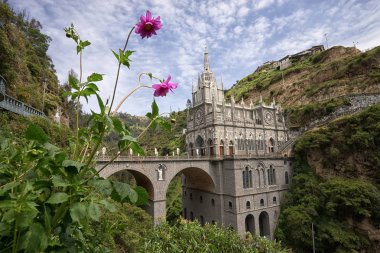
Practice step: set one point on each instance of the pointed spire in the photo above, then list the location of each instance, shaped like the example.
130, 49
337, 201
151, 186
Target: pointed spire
206, 65
221, 81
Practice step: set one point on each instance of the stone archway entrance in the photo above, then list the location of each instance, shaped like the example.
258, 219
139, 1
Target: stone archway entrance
264, 224
250, 224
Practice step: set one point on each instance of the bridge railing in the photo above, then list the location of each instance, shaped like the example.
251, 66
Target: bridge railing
11, 104
173, 158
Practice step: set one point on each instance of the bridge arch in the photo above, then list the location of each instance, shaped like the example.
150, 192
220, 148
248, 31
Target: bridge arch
140, 178
196, 178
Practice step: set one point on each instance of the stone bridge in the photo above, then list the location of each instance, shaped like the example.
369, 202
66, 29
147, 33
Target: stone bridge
218, 176
156, 173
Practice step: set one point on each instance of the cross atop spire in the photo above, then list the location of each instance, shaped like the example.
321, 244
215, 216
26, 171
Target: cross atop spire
206, 65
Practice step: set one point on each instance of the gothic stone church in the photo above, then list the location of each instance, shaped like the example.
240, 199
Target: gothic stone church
242, 139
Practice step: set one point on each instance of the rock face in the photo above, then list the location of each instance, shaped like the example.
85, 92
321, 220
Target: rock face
338, 71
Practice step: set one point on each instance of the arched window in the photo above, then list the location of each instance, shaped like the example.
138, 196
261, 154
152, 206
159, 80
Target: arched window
221, 148
231, 148
271, 175
200, 199
271, 145
230, 204
274, 200
258, 178
212, 202
248, 205
261, 202
247, 177
286, 177
250, 179
210, 147
202, 220
191, 149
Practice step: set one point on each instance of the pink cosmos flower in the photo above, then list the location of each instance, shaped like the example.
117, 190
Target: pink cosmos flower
148, 25
163, 88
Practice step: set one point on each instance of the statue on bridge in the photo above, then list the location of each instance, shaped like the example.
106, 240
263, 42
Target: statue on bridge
161, 172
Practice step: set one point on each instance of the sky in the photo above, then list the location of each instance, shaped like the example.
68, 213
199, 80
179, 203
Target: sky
240, 35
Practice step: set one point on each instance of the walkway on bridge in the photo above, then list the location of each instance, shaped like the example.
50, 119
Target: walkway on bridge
13, 105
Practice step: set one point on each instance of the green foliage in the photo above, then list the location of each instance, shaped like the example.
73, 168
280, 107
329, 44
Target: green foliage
301, 115
343, 207
174, 201
191, 237
44, 192
24, 62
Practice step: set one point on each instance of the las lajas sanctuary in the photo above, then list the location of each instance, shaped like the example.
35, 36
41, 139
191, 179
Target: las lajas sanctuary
242, 142
236, 170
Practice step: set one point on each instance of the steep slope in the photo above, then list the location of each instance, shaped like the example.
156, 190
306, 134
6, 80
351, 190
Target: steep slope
24, 62
336, 185
315, 86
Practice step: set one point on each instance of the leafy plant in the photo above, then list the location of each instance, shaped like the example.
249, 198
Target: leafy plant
51, 200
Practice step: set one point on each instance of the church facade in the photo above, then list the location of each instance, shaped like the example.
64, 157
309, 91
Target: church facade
242, 139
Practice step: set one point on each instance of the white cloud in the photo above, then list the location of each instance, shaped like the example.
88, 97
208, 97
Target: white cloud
239, 34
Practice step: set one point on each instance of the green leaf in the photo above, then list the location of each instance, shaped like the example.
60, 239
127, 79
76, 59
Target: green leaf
154, 109
93, 211
150, 76
137, 148
58, 181
95, 77
36, 239
104, 186
78, 212
124, 193
124, 57
118, 126
36, 133
58, 197
100, 103
72, 164
108, 205
129, 138
116, 55
143, 196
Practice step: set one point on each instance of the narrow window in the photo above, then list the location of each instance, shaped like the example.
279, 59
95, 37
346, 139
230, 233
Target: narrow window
274, 200
230, 205
261, 202
248, 205
191, 196
286, 177
212, 202
201, 199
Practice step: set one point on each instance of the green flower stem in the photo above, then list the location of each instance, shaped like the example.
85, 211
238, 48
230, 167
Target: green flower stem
118, 71
96, 146
78, 101
129, 94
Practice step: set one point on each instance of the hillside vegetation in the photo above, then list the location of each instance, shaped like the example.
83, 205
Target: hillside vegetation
336, 186
24, 62
316, 86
